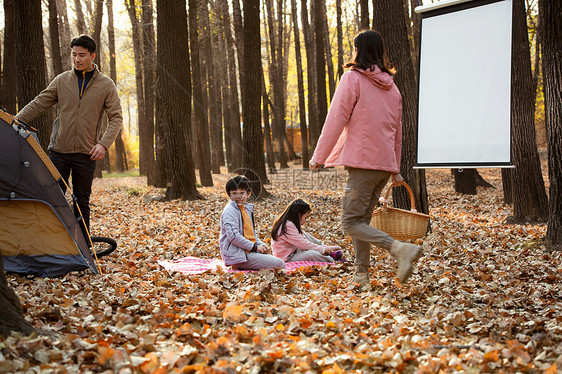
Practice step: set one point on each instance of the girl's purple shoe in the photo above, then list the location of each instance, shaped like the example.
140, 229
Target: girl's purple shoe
337, 256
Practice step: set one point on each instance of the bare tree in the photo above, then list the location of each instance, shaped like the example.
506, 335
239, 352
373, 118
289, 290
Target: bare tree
98, 18
530, 202
215, 122
267, 129
309, 45
64, 34
254, 161
221, 96
80, 22
11, 313
173, 86
276, 79
328, 46
55, 39
148, 74
146, 138
364, 4
339, 32
465, 181
550, 14
8, 91
321, 98
390, 21
235, 130
31, 73
120, 154
300, 85
238, 36
415, 21
201, 126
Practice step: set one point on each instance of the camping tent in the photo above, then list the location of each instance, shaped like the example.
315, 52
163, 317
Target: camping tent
39, 234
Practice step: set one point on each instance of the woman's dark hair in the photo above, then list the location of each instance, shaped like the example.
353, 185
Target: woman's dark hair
239, 182
84, 41
291, 213
369, 51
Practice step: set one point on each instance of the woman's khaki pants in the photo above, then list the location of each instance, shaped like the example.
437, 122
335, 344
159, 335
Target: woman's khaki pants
362, 192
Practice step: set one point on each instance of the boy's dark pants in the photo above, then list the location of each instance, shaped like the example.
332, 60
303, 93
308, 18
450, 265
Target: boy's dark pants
82, 169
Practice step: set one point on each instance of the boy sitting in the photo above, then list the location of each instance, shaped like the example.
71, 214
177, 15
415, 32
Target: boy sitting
239, 244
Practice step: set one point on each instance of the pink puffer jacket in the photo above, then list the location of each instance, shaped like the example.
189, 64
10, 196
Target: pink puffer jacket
363, 128
292, 240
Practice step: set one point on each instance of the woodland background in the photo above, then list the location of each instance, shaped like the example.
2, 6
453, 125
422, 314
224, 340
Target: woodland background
216, 88
246, 85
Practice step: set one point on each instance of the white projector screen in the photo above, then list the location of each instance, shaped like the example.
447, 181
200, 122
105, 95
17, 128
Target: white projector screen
464, 98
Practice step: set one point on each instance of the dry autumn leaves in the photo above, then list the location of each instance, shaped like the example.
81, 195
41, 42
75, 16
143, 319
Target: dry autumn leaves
485, 296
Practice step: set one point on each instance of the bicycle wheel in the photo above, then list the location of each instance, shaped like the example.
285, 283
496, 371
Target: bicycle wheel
103, 246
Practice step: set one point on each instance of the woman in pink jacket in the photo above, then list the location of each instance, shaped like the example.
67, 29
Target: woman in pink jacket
363, 131
290, 243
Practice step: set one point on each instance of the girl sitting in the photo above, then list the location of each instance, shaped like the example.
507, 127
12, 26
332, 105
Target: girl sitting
290, 243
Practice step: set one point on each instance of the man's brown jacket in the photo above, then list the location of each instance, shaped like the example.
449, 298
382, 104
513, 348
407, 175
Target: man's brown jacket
77, 128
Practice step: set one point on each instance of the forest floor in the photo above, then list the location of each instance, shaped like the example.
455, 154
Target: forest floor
485, 296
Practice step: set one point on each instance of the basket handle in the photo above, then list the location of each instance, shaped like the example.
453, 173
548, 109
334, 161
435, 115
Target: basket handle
410, 192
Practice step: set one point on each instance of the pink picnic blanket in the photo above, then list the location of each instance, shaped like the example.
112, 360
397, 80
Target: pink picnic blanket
194, 265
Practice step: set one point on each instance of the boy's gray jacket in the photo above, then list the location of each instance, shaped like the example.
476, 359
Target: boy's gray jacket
232, 242
77, 128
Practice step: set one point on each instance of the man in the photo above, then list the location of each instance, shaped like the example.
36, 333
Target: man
83, 95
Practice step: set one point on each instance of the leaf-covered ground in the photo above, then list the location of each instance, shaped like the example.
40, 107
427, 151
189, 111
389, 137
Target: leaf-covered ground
485, 296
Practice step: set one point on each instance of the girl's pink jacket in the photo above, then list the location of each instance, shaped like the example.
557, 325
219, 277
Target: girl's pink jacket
363, 128
291, 241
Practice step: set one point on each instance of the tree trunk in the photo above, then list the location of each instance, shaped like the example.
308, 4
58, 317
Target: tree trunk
276, 80
215, 124
120, 154
267, 104
551, 13
55, 39
507, 185
391, 22
364, 14
481, 182
64, 31
322, 100
8, 92
11, 314
148, 50
80, 22
102, 164
31, 72
300, 85
267, 130
534, 34
235, 131
223, 93
314, 131
144, 137
239, 37
218, 69
328, 46
254, 162
530, 202
290, 150
465, 181
98, 18
173, 87
201, 127
415, 20
339, 32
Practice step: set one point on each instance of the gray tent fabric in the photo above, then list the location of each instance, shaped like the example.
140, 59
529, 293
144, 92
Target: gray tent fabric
28, 178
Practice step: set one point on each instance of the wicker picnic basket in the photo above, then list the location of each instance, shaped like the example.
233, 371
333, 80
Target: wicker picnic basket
399, 223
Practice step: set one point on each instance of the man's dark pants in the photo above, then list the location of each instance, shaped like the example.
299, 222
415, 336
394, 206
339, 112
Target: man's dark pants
82, 169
